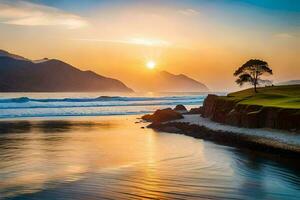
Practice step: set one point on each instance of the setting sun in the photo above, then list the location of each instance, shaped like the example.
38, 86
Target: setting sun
151, 64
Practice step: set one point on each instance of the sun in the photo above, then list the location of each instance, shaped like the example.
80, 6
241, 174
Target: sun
150, 64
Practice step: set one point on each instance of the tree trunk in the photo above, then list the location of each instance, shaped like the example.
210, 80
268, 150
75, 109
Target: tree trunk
255, 81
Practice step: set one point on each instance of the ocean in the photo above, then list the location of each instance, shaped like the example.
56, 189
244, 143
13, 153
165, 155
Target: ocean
71, 146
20, 105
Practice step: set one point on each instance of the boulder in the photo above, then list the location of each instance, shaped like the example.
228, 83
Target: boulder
180, 108
162, 116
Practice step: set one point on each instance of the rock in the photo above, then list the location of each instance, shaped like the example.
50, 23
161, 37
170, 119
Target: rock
233, 118
180, 108
234, 113
250, 120
163, 115
147, 117
171, 129
209, 105
196, 110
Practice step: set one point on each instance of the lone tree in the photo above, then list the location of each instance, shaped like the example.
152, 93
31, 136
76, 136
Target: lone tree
251, 71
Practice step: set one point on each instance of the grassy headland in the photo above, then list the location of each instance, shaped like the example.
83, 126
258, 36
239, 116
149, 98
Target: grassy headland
276, 107
287, 96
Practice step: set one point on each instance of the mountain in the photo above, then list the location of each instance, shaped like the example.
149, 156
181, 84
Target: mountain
19, 74
291, 82
164, 81
7, 54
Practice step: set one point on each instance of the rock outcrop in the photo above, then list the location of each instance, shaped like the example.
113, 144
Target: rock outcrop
251, 116
180, 108
196, 110
162, 116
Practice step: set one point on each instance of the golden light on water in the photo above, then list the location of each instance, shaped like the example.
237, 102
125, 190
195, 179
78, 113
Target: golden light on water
151, 64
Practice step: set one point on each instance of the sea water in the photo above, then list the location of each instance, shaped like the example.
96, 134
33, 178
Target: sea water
112, 157
19, 105
92, 146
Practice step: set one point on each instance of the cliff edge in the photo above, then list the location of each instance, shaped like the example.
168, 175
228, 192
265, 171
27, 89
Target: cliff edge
276, 107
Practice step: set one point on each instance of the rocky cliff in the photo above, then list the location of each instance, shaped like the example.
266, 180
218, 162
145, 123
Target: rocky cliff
231, 112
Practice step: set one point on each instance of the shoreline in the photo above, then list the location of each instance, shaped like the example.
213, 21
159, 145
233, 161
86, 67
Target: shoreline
265, 140
270, 141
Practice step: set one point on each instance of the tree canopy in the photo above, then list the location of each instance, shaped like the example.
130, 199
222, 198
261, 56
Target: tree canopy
251, 71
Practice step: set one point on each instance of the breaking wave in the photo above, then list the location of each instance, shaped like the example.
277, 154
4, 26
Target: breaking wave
101, 98
86, 106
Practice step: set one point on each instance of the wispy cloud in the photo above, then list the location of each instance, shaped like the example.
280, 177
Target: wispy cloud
189, 12
134, 41
30, 14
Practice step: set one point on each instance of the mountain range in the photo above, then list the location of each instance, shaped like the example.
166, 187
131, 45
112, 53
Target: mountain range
19, 74
163, 81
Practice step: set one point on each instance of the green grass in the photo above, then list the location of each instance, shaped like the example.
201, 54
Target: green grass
287, 96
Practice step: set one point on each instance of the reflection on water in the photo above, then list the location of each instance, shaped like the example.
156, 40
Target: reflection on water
113, 158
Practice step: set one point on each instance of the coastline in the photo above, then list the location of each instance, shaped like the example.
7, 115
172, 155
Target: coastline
267, 140
275, 107
262, 139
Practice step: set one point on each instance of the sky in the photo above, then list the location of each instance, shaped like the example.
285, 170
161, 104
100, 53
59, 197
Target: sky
204, 39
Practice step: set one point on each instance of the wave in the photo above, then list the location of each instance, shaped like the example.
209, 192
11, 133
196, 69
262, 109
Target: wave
20, 107
101, 105
97, 99
71, 114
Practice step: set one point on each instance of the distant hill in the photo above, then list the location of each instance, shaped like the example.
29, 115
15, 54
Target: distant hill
19, 74
291, 82
7, 54
164, 81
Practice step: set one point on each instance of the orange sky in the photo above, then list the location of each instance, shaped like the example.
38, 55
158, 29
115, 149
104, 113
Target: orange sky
204, 41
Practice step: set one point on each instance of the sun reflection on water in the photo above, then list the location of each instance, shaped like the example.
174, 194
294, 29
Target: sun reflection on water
112, 157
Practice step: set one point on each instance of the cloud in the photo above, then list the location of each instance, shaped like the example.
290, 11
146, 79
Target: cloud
189, 12
29, 14
134, 41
